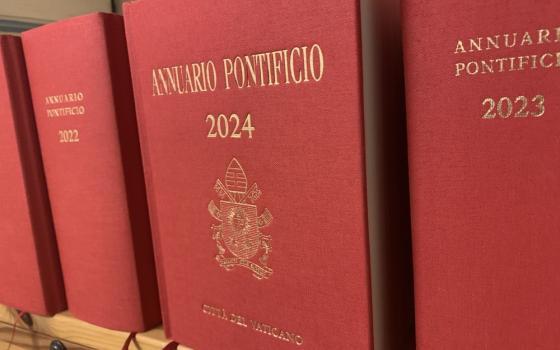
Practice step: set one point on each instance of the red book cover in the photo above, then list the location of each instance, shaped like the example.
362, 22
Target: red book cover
251, 122
29, 264
482, 97
84, 108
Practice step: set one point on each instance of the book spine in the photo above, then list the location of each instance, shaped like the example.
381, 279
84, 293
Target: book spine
121, 83
95, 172
34, 177
145, 154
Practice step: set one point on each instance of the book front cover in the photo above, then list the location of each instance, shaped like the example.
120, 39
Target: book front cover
251, 122
80, 83
482, 90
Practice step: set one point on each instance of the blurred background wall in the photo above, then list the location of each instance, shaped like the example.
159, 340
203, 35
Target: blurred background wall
19, 15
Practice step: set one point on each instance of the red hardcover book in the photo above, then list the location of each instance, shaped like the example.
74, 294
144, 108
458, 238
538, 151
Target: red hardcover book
482, 90
29, 264
251, 119
82, 95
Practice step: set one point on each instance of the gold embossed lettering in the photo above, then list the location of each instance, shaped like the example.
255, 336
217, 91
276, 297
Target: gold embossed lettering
316, 54
544, 35
506, 107
492, 42
197, 72
510, 41
305, 66
251, 62
211, 78
527, 40
228, 70
460, 47
475, 44
544, 58
277, 64
293, 71
239, 72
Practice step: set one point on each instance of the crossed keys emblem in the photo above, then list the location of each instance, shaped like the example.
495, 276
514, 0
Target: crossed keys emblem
238, 237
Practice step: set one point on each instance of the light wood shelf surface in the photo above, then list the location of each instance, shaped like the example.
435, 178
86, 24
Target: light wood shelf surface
75, 334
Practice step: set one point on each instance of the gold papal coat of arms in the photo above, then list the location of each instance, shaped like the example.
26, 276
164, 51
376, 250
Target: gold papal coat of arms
238, 237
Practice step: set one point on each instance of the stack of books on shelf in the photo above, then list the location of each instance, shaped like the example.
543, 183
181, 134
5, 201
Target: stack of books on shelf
245, 174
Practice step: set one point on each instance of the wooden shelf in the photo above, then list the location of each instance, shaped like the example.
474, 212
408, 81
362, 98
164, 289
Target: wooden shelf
75, 334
